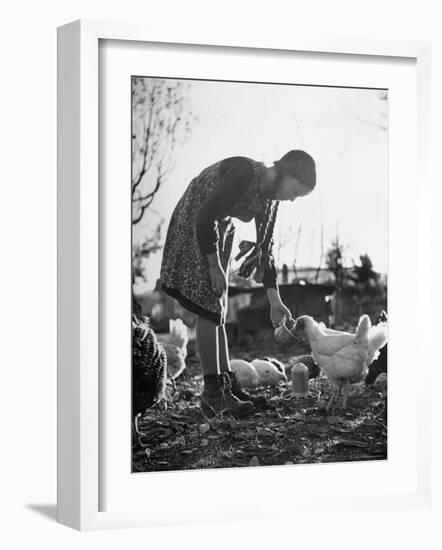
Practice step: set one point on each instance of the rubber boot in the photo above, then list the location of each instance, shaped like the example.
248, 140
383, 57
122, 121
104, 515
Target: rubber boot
217, 398
258, 401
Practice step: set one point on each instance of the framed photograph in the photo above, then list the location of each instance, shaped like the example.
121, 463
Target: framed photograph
236, 225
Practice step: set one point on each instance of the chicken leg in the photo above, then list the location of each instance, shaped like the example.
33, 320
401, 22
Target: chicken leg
335, 395
136, 434
345, 391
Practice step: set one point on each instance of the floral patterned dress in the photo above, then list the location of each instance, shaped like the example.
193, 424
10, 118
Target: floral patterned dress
185, 269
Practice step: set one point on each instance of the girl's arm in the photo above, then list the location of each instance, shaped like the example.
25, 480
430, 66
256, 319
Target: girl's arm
236, 175
218, 280
278, 311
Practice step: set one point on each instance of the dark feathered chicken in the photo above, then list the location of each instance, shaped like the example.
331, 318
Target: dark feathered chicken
149, 367
378, 366
309, 362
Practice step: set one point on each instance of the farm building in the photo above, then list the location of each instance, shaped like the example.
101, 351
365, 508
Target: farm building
248, 310
254, 315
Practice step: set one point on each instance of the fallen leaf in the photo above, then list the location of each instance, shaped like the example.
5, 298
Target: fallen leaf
164, 434
222, 426
180, 440
301, 449
187, 395
204, 428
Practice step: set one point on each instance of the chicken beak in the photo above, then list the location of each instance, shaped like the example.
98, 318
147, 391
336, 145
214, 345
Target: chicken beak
298, 330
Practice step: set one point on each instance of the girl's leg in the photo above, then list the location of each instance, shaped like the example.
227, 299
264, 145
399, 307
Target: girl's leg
207, 341
217, 396
224, 365
223, 347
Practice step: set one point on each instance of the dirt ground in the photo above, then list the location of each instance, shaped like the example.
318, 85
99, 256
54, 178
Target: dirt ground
180, 438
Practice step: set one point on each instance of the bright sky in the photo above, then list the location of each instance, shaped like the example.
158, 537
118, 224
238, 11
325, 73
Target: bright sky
343, 129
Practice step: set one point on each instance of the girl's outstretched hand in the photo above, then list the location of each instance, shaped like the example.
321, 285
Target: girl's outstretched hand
218, 281
278, 312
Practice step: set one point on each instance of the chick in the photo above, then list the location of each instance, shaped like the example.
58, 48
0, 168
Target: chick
277, 364
245, 373
175, 346
269, 374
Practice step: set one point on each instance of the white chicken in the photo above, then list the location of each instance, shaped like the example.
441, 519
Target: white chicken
343, 356
269, 374
175, 346
245, 373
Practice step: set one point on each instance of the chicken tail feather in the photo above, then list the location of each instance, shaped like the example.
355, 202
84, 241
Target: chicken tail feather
378, 336
363, 329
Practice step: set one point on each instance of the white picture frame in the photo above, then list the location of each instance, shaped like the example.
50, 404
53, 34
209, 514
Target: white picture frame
79, 262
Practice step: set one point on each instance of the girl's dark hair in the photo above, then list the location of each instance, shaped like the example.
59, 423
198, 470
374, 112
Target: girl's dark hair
300, 165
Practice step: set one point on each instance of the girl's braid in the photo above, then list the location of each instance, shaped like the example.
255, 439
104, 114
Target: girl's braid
260, 258
266, 227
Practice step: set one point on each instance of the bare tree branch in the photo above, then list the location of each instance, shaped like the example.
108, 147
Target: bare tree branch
161, 120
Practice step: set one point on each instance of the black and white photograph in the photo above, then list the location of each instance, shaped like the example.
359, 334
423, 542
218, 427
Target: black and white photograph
259, 274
